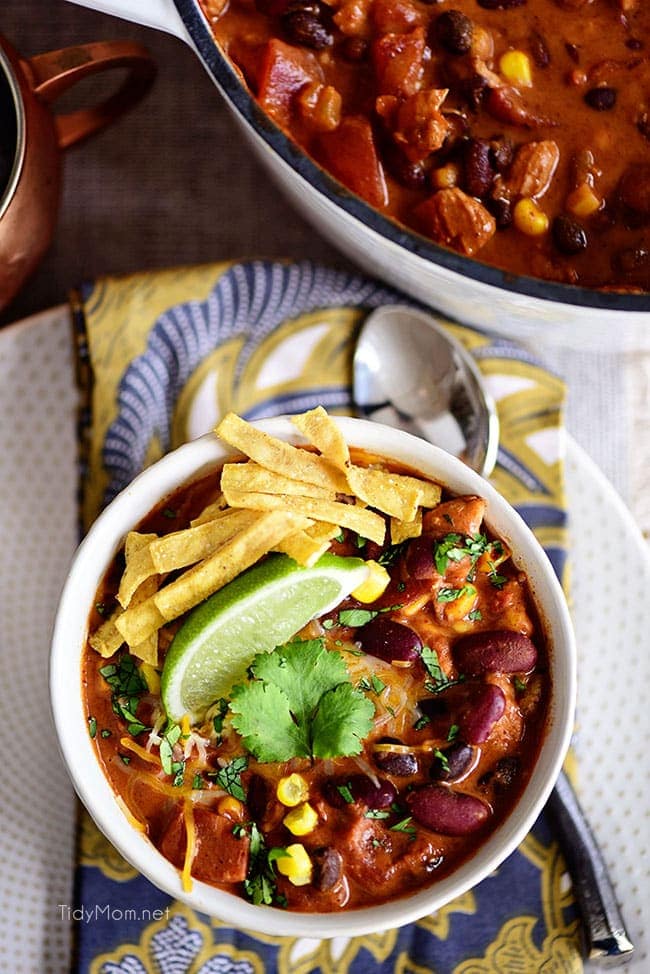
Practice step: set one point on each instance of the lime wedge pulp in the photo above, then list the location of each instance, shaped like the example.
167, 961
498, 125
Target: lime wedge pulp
260, 609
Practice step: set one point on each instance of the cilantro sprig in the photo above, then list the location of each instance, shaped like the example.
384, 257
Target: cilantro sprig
127, 686
300, 702
260, 884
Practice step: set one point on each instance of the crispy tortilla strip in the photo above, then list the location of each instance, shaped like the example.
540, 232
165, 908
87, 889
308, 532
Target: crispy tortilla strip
183, 548
196, 584
364, 522
321, 430
385, 491
306, 547
139, 565
402, 530
107, 638
147, 648
281, 457
251, 476
217, 508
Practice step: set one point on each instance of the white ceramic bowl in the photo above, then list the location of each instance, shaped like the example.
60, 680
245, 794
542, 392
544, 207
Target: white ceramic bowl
460, 287
88, 568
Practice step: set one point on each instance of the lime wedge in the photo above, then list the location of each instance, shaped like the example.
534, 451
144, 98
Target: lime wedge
260, 609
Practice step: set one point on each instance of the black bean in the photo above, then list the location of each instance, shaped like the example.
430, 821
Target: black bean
568, 236
539, 50
457, 759
501, 153
389, 640
506, 771
454, 30
401, 763
633, 264
478, 170
501, 210
500, 4
328, 869
601, 99
475, 91
433, 707
304, 25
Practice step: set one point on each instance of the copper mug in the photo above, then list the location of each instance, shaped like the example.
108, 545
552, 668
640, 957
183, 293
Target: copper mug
32, 137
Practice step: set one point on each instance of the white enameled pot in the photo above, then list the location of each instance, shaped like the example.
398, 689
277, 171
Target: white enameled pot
71, 719
522, 308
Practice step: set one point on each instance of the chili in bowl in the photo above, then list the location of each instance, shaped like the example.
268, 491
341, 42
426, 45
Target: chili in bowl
322, 696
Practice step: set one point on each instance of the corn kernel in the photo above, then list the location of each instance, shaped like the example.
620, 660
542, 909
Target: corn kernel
491, 559
302, 820
583, 201
374, 585
185, 725
151, 677
446, 177
231, 808
528, 218
292, 790
295, 865
515, 68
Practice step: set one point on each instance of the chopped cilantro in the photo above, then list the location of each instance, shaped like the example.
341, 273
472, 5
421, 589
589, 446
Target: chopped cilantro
442, 757
372, 685
359, 541
432, 665
421, 722
453, 732
328, 623
404, 826
346, 794
356, 617
105, 732
452, 594
376, 813
125, 759
340, 537
229, 777
197, 783
300, 703
169, 512
92, 726
475, 615
218, 719
495, 579
178, 770
127, 686
401, 586
390, 555
101, 608
260, 883
520, 685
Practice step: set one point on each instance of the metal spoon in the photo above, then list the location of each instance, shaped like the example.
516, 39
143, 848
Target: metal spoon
409, 373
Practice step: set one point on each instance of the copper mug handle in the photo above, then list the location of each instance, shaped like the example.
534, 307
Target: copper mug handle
55, 72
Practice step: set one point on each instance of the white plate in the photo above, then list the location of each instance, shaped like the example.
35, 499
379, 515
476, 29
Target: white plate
611, 582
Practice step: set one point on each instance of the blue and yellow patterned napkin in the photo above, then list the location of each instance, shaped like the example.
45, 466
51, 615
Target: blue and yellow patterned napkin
162, 356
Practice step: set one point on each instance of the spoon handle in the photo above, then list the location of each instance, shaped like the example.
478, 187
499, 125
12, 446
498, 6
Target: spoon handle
607, 941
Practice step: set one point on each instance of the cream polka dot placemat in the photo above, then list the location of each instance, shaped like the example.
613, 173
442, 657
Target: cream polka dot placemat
611, 579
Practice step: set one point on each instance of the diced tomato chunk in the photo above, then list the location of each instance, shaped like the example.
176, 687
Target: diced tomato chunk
395, 15
398, 62
350, 154
285, 70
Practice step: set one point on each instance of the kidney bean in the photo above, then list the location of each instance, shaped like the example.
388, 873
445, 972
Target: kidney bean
569, 237
601, 99
389, 640
496, 651
457, 759
328, 865
400, 763
478, 169
539, 49
445, 811
413, 175
454, 30
501, 154
486, 705
419, 558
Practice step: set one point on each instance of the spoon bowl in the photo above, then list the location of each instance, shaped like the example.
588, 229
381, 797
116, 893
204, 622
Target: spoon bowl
410, 374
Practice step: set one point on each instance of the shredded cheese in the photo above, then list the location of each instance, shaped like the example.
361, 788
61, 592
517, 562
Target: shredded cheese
142, 752
186, 874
